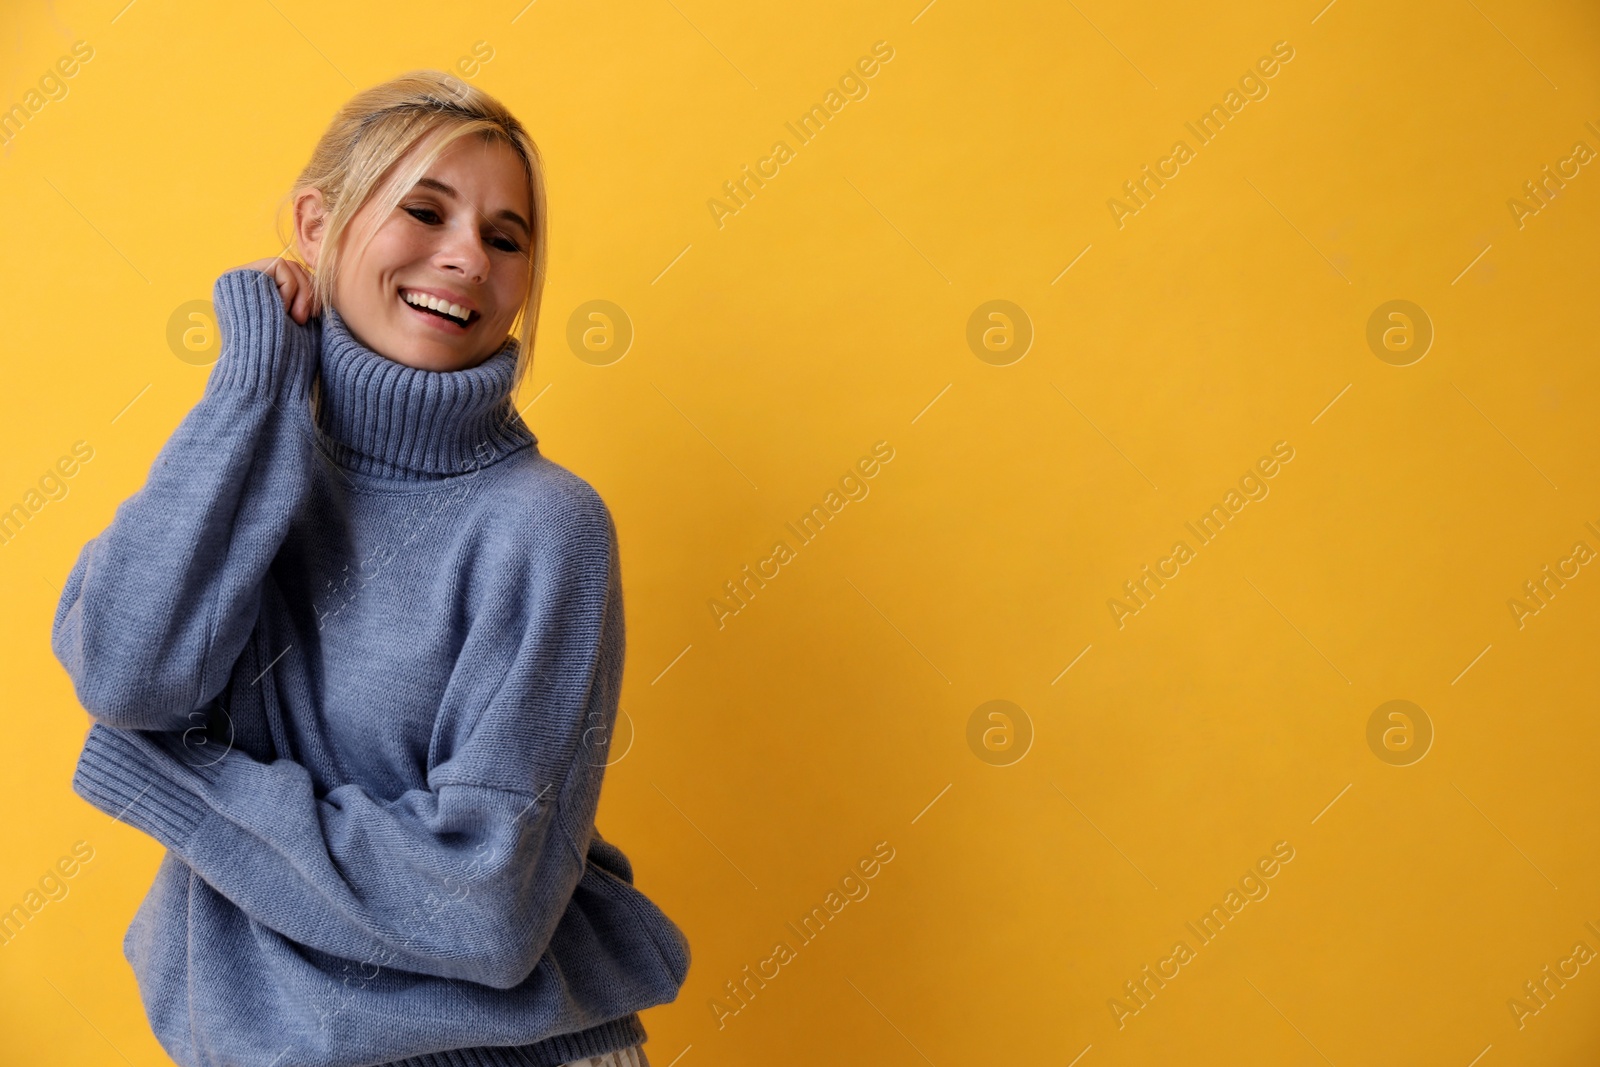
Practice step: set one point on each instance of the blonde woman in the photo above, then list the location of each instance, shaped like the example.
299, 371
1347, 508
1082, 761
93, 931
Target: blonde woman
353, 651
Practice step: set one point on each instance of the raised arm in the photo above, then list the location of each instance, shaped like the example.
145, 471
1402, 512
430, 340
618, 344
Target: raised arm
159, 605
464, 879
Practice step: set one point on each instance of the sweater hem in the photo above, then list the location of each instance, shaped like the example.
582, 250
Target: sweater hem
612, 1036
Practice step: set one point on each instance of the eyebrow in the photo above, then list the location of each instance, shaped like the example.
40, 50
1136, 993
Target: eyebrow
507, 214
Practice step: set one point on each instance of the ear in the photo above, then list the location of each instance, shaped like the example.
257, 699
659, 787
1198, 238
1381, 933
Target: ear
310, 224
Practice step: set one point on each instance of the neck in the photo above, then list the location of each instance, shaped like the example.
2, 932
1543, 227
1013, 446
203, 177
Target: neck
379, 417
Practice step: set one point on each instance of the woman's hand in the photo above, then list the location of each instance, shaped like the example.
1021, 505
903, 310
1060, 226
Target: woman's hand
294, 286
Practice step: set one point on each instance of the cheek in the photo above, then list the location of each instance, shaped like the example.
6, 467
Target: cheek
398, 246
508, 292
392, 256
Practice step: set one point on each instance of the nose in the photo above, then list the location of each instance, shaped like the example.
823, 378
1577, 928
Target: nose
461, 250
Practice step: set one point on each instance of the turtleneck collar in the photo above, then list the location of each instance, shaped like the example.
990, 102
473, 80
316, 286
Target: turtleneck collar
376, 416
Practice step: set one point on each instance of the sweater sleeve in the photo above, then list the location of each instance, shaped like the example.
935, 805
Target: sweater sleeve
159, 605
464, 879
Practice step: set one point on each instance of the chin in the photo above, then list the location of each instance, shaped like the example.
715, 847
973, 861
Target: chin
440, 361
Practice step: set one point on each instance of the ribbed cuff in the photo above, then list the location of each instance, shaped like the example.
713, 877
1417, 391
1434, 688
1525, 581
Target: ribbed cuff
263, 349
610, 1036
135, 779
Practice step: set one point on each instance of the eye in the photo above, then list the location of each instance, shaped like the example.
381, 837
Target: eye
430, 217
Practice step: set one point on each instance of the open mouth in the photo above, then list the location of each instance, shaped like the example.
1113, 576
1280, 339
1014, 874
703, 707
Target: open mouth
456, 316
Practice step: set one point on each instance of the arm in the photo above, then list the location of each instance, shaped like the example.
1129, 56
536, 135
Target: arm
466, 878
159, 605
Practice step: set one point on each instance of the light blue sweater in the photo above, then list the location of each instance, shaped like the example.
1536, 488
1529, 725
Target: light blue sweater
354, 652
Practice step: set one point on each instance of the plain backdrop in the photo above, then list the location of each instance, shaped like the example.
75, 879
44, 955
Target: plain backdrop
1144, 761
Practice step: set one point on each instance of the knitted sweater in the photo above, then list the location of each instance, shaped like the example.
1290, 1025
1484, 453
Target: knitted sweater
354, 652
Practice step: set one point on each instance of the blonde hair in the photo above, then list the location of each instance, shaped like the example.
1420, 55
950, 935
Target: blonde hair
372, 132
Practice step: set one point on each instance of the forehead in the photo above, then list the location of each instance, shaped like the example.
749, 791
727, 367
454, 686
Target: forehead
489, 155
487, 172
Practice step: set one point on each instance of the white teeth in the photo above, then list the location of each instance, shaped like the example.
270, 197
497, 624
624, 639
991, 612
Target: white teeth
455, 311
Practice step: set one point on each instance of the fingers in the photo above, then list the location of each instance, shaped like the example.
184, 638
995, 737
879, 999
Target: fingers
281, 271
289, 288
306, 298
302, 301
295, 286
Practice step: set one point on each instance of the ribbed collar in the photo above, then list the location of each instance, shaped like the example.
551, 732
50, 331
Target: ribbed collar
379, 417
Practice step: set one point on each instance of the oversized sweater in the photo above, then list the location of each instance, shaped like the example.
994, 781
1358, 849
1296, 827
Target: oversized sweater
354, 653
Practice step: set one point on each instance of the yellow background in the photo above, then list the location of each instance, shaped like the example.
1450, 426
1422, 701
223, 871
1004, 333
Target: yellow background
832, 712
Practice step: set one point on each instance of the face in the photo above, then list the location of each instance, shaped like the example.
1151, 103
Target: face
460, 237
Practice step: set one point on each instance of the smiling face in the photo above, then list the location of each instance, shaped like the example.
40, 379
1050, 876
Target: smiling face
443, 277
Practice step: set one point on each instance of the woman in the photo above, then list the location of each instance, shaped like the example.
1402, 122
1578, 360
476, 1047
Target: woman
354, 649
